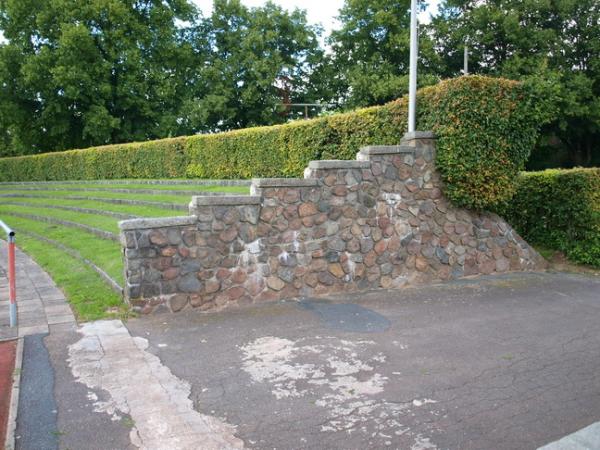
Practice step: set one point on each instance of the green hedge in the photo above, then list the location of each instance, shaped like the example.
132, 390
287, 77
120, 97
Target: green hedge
486, 128
559, 209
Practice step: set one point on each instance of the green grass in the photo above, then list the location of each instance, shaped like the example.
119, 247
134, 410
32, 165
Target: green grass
180, 199
104, 253
138, 210
546, 252
154, 187
87, 293
94, 220
91, 297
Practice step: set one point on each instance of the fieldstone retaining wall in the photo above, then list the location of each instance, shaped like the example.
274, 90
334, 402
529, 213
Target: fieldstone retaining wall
378, 222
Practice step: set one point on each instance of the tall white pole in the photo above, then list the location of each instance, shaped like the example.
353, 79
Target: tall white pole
466, 61
412, 81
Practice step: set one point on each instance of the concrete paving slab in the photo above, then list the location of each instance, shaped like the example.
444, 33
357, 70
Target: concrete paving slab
31, 330
58, 319
39, 300
508, 362
58, 309
585, 439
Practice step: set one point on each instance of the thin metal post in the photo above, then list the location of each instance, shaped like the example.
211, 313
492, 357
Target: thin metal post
12, 273
466, 60
412, 83
12, 280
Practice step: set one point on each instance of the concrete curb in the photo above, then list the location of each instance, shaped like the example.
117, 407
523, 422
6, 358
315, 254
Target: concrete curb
11, 426
160, 222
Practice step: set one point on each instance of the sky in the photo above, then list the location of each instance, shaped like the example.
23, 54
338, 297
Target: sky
318, 11
321, 12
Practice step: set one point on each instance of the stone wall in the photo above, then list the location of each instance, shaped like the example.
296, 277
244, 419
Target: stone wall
378, 222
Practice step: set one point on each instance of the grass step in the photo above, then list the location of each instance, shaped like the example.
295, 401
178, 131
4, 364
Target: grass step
116, 287
66, 223
103, 253
107, 208
88, 294
166, 198
120, 190
157, 182
116, 215
94, 222
118, 201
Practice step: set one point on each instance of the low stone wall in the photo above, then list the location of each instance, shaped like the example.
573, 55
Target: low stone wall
378, 222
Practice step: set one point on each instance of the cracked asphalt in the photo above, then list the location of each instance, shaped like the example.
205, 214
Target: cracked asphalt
506, 362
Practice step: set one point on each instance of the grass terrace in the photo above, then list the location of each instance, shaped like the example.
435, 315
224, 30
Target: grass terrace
70, 229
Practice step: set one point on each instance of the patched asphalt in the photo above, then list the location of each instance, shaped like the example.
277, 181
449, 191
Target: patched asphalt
78, 424
505, 362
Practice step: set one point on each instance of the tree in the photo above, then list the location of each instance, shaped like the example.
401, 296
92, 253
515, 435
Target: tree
371, 52
550, 42
258, 58
75, 74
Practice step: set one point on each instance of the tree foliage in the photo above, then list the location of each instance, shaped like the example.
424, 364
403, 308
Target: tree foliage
257, 59
371, 52
78, 73
545, 42
75, 74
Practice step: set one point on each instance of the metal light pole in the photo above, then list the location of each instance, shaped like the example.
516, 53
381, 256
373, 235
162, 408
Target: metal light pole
466, 60
412, 81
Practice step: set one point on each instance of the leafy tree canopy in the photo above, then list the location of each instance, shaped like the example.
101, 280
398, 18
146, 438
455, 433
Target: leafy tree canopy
80, 73
75, 74
548, 42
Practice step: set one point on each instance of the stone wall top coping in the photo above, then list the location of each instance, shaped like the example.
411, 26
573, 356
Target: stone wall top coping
386, 149
339, 164
161, 222
418, 135
225, 200
284, 182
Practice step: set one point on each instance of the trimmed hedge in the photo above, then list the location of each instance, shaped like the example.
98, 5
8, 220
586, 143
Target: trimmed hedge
486, 128
559, 209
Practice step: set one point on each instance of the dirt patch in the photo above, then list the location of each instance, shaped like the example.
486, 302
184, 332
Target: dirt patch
558, 262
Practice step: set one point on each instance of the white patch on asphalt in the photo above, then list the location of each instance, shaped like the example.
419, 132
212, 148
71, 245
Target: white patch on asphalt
422, 443
342, 375
425, 401
108, 358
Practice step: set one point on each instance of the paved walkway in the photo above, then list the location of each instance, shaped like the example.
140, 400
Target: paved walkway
505, 362
39, 302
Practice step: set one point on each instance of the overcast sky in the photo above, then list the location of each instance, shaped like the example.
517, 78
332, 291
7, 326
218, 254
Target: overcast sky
318, 11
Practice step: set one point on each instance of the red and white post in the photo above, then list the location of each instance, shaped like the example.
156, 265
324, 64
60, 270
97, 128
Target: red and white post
12, 273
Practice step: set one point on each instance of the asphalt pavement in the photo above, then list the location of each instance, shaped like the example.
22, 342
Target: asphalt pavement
508, 362
504, 362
